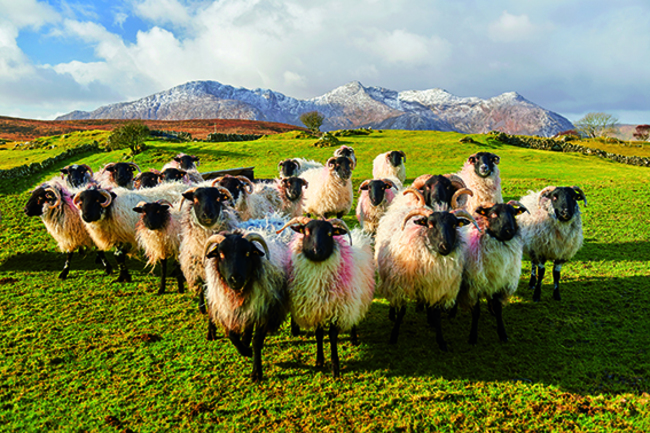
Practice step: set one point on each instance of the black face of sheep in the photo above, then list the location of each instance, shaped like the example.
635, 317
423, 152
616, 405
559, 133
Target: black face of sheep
376, 190
564, 201
172, 175
484, 163
237, 260
345, 151
77, 175
39, 197
292, 187
154, 215
395, 158
442, 230
318, 241
187, 162
289, 167
148, 179
207, 204
341, 165
234, 185
93, 203
438, 189
122, 173
500, 219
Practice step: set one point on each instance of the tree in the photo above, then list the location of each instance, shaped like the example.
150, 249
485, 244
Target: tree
312, 120
597, 125
131, 135
642, 132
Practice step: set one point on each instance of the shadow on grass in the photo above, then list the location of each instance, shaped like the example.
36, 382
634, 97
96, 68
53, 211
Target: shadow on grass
622, 251
52, 262
213, 153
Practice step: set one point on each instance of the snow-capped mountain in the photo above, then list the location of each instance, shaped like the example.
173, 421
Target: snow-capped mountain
349, 106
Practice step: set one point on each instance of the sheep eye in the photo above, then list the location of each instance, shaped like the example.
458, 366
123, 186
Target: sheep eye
222, 255
329, 234
248, 254
493, 215
554, 198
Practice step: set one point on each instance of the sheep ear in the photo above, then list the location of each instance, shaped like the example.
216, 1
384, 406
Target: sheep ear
496, 160
304, 183
482, 210
64, 170
189, 195
213, 252
177, 159
111, 168
421, 221
339, 231
298, 228
138, 209
519, 210
472, 159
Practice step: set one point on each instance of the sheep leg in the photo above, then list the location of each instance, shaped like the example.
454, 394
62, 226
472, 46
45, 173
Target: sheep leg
258, 344
434, 317
476, 313
398, 322
201, 301
419, 307
354, 336
295, 329
334, 335
557, 269
247, 336
537, 294
533, 275
180, 279
236, 341
212, 330
453, 311
496, 308
320, 357
120, 256
391, 314
101, 259
66, 267
163, 276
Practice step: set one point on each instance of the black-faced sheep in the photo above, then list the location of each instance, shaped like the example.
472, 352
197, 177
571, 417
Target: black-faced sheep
251, 201
374, 197
348, 152
247, 288
77, 175
147, 179
117, 174
481, 175
331, 279
296, 166
442, 192
188, 163
390, 165
330, 188
552, 231
292, 195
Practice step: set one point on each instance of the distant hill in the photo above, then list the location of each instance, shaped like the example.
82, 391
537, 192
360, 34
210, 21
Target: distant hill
348, 106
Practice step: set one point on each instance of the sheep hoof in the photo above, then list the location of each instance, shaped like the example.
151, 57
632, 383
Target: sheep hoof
64, 274
108, 269
442, 346
537, 296
256, 377
556, 295
124, 277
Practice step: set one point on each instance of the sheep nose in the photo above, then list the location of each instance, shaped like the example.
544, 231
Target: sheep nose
236, 281
443, 248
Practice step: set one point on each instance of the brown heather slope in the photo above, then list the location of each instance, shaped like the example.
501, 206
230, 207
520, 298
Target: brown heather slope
15, 129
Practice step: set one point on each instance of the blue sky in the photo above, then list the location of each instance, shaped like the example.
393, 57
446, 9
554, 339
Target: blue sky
571, 57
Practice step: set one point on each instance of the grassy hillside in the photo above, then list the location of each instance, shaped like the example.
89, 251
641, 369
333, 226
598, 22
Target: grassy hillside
89, 355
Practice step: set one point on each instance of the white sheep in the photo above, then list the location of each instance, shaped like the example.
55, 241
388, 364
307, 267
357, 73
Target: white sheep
481, 175
390, 165
330, 188
552, 231
251, 200
375, 195
331, 279
246, 288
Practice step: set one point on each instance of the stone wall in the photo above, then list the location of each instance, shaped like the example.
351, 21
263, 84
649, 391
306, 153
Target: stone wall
36, 167
218, 137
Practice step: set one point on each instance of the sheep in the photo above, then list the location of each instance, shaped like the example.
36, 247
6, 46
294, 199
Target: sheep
147, 179
481, 175
390, 165
204, 212
296, 166
189, 163
247, 288
53, 203
117, 174
330, 188
291, 193
349, 152
423, 261
77, 175
493, 262
442, 192
331, 280
171, 174
251, 201
108, 216
374, 197
552, 231
158, 234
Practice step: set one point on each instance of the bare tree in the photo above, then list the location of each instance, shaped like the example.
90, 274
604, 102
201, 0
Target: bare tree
597, 125
642, 132
312, 120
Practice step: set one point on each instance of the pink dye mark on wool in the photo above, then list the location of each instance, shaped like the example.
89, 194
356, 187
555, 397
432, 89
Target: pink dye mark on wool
346, 270
390, 195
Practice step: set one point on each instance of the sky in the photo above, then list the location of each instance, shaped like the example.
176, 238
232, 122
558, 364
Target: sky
568, 56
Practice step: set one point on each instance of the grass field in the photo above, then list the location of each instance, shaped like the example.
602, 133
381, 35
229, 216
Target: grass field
86, 354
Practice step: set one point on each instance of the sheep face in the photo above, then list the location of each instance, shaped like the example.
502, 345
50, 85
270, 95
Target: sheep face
499, 219
172, 175
122, 173
94, 203
148, 179
37, 200
207, 204
564, 201
154, 215
376, 190
345, 151
292, 187
318, 240
187, 162
341, 165
237, 260
288, 167
77, 175
395, 158
233, 185
484, 163
438, 190
442, 230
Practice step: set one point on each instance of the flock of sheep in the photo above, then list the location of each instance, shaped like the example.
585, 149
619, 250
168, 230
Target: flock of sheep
444, 241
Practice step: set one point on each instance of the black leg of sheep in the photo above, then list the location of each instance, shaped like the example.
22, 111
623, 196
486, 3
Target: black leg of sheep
334, 335
163, 276
258, 344
180, 278
434, 317
533, 275
101, 259
295, 329
120, 257
476, 313
537, 294
212, 330
496, 308
354, 336
557, 268
394, 334
320, 357
243, 350
66, 267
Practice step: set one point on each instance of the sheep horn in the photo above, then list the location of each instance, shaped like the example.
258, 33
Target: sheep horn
109, 198
544, 193
76, 200
463, 213
364, 183
341, 224
180, 206
300, 219
107, 166
515, 204
56, 193
415, 212
133, 164
256, 237
88, 168
329, 162
457, 194
582, 195
456, 181
217, 180
214, 239
247, 181
297, 163
419, 182
163, 201
417, 194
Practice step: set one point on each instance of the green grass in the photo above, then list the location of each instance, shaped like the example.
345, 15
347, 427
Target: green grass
78, 355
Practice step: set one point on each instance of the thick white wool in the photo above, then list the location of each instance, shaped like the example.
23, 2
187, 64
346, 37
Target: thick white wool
382, 168
306, 165
263, 201
369, 215
160, 244
327, 193
486, 190
491, 266
265, 301
544, 236
64, 223
336, 291
193, 173
289, 208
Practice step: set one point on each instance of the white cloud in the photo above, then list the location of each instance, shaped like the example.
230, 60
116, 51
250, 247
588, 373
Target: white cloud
163, 12
511, 28
400, 46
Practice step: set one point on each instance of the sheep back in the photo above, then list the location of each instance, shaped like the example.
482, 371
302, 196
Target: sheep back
382, 168
327, 193
486, 190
